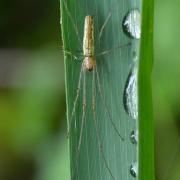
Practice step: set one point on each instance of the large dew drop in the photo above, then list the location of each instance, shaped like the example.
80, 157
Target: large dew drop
130, 99
132, 24
134, 169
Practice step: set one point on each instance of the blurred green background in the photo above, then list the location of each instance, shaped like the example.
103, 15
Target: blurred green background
33, 144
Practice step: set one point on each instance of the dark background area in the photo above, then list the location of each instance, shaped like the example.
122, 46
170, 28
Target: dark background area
33, 144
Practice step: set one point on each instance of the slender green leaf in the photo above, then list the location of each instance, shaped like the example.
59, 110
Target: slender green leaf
102, 155
146, 129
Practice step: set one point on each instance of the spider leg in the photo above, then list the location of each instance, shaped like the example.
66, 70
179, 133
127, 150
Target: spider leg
72, 21
107, 51
76, 99
107, 109
97, 129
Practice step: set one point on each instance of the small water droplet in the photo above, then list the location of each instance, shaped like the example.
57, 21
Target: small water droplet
134, 137
134, 169
132, 24
135, 57
130, 99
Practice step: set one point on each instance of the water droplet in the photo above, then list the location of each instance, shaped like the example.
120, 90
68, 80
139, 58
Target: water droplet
134, 137
132, 24
135, 57
130, 99
134, 169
